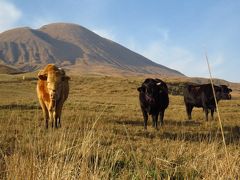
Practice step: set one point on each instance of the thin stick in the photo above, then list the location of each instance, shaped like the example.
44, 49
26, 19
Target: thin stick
219, 117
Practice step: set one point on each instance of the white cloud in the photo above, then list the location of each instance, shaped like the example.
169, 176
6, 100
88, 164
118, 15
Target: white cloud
178, 58
171, 56
163, 33
9, 15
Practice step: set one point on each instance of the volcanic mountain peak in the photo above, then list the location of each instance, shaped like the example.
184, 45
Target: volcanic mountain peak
65, 28
71, 44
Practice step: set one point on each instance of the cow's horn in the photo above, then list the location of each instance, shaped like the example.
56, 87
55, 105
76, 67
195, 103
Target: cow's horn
159, 83
62, 71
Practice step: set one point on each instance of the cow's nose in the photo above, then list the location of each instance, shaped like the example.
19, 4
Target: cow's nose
52, 94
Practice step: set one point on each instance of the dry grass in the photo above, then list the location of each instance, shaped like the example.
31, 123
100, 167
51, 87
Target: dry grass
102, 135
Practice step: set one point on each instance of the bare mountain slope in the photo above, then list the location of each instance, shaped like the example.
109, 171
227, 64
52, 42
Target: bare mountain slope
73, 46
8, 70
27, 49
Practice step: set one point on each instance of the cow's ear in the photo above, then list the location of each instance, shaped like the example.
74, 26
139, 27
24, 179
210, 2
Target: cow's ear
141, 89
65, 78
42, 75
230, 90
61, 71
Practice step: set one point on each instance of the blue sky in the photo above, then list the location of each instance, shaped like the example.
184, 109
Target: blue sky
174, 33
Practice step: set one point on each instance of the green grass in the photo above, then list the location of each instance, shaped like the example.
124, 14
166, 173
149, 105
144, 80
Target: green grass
102, 135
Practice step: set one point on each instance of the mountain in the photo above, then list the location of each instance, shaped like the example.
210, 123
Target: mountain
8, 70
75, 47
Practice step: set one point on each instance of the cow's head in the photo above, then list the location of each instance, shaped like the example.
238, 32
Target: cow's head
151, 90
225, 92
54, 78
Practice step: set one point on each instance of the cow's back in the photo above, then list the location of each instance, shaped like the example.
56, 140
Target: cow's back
194, 95
199, 95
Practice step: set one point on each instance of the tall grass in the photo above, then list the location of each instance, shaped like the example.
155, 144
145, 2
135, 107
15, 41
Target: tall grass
102, 136
219, 117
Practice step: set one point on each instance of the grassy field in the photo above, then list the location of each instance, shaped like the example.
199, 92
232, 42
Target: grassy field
102, 135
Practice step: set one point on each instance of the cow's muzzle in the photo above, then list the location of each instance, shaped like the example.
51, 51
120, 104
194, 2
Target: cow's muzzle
149, 99
53, 95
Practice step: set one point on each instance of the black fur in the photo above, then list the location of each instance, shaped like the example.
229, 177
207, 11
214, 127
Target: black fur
202, 96
153, 97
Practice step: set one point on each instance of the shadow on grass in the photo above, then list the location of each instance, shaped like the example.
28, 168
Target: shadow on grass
129, 122
231, 137
231, 133
166, 122
19, 106
182, 123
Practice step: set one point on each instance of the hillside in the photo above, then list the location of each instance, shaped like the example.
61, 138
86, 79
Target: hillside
8, 70
76, 47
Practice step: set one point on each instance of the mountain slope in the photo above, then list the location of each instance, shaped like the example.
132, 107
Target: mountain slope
8, 70
73, 46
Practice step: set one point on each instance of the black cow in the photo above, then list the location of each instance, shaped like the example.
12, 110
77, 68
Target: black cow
202, 96
153, 96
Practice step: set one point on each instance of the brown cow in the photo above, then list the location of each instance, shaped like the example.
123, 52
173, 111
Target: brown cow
52, 91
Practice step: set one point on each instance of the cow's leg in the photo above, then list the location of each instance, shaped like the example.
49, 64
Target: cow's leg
51, 117
189, 109
55, 118
59, 121
206, 113
46, 116
155, 119
212, 112
53, 114
59, 112
161, 117
45, 112
145, 117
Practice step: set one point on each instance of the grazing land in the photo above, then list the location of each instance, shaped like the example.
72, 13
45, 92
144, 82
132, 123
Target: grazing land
102, 134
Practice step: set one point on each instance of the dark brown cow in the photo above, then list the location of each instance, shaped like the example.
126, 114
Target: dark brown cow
202, 96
